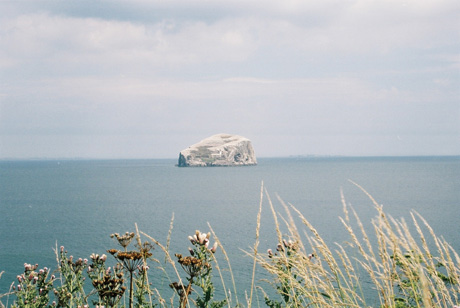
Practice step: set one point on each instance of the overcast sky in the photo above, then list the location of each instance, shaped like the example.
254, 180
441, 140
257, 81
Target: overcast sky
147, 78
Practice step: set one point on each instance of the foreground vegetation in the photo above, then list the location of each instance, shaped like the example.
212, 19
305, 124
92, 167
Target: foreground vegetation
404, 268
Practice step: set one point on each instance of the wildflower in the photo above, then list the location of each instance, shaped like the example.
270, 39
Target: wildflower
94, 257
290, 245
270, 253
285, 243
200, 237
143, 268
79, 262
214, 248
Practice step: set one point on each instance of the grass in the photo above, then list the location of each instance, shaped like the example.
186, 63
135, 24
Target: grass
403, 271
405, 264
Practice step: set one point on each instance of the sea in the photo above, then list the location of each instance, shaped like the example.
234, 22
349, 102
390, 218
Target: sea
78, 204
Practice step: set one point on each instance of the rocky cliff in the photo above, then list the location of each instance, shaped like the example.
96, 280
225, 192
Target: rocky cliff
219, 150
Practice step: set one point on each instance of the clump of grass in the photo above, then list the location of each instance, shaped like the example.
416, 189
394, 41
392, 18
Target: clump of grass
403, 269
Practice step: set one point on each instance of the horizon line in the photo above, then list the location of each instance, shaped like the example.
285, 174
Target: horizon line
261, 157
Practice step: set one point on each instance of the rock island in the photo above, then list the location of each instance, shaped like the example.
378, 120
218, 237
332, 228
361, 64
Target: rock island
219, 150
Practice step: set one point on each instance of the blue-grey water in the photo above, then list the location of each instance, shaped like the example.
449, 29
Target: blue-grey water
78, 204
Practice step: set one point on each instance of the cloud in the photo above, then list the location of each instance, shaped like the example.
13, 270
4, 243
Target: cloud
67, 44
284, 68
292, 28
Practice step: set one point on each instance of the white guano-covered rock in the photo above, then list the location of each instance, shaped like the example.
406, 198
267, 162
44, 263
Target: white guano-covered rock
219, 150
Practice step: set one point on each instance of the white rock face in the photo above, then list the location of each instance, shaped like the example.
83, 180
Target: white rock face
219, 150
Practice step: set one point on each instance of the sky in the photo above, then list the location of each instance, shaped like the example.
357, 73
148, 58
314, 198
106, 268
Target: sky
148, 78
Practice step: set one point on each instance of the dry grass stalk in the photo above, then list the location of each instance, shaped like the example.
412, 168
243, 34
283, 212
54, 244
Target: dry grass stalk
228, 299
224, 252
256, 244
403, 270
167, 256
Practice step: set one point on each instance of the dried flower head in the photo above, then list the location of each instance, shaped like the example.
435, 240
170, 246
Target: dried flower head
129, 255
145, 248
112, 251
131, 259
110, 288
124, 239
191, 265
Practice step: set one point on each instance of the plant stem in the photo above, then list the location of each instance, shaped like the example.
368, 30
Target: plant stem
131, 290
187, 292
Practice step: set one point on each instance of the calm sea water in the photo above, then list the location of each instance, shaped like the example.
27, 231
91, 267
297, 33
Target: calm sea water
78, 204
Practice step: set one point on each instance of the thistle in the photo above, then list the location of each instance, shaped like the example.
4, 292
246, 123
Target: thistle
108, 283
71, 292
33, 288
198, 268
